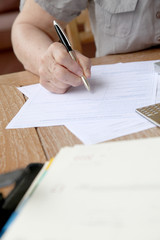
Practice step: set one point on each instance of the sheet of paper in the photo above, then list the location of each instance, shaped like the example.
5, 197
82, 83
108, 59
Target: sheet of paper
109, 129
29, 90
103, 130
107, 191
117, 90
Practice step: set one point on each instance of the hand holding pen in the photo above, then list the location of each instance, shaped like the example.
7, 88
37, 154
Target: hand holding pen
64, 40
58, 71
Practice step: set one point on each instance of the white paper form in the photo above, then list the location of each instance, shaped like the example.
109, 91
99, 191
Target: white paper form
110, 129
114, 94
125, 87
103, 130
107, 191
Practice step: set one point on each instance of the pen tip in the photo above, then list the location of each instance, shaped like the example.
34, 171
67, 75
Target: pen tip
86, 83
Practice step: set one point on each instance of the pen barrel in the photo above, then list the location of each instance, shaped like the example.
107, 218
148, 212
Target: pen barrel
73, 55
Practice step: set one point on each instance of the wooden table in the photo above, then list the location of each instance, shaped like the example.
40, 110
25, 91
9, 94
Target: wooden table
19, 147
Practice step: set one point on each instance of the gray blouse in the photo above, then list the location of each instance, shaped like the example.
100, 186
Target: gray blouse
118, 26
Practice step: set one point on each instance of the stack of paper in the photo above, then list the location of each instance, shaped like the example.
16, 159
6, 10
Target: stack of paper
108, 111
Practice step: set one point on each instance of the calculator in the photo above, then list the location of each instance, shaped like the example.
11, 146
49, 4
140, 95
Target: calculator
151, 112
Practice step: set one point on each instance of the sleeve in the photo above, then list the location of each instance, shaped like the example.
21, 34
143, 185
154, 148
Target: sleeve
21, 4
64, 10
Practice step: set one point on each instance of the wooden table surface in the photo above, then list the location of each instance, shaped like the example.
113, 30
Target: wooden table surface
19, 147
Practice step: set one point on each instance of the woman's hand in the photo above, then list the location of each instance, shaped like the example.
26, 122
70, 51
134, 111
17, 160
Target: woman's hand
58, 71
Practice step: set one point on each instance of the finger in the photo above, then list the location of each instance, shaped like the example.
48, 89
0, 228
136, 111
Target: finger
49, 81
52, 82
62, 57
56, 74
66, 77
85, 63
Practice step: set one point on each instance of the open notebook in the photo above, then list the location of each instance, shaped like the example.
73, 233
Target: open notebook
106, 191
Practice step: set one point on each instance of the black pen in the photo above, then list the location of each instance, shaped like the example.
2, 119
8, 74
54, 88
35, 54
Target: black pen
64, 40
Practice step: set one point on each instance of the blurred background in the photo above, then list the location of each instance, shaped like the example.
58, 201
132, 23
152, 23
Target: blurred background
8, 62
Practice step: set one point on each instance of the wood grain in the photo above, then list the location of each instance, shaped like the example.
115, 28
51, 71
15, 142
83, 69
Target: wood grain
19, 79
145, 55
152, 132
54, 138
18, 147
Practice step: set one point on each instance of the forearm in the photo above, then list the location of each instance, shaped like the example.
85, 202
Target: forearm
35, 45
29, 44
